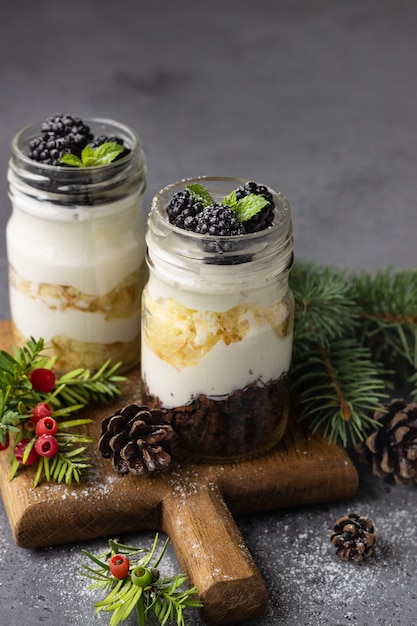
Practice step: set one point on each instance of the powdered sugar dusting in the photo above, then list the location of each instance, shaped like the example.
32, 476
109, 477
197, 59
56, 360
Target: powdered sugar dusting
307, 584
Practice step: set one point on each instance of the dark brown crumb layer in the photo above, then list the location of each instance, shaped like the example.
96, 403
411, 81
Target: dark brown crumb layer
248, 421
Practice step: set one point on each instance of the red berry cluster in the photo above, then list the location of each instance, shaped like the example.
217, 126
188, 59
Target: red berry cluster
41, 421
45, 428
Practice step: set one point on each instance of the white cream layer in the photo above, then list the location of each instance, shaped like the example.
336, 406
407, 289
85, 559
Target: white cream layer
28, 314
92, 254
260, 356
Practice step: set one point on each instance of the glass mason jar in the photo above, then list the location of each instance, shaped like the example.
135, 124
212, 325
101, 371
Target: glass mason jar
76, 252
217, 325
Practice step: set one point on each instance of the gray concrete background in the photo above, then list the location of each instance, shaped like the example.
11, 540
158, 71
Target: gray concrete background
317, 99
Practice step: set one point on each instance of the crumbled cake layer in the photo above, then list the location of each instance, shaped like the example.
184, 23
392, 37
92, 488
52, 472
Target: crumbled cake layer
82, 329
182, 336
72, 353
248, 421
122, 301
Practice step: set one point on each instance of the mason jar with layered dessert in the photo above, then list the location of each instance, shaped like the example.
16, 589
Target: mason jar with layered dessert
76, 250
217, 324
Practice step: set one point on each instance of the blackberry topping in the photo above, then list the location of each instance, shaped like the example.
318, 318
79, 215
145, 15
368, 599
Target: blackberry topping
72, 128
218, 219
183, 210
59, 134
265, 217
48, 150
98, 141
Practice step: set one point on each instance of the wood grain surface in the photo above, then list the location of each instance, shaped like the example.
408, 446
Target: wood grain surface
193, 503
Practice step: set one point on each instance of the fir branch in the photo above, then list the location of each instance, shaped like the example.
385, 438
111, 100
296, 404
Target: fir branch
70, 463
325, 306
71, 392
83, 387
32, 352
79, 387
387, 304
334, 379
338, 388
164, 598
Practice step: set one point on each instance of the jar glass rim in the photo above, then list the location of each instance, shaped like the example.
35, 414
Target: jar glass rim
29, 132
66, 186
160, 200
204, 257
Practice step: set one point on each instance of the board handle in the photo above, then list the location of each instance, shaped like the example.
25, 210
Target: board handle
212, 553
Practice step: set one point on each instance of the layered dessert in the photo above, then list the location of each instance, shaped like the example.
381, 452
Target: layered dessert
217, 332
76, 245
83, 329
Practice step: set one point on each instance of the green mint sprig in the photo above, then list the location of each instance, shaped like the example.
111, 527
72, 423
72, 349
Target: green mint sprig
200, 193
93, 157
245, 208
159, 600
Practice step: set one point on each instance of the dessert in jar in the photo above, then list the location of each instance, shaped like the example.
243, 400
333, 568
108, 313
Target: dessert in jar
217, 315
76, 240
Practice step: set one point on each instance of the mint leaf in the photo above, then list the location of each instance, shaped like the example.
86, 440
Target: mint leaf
71, 159
90, 157
107, 152
231, 200
246, 207
199, 192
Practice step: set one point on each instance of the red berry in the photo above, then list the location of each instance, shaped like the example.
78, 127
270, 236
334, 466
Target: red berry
42, 379
46, 426
46, 445
20, 449
119, 566
5, 445
40, 410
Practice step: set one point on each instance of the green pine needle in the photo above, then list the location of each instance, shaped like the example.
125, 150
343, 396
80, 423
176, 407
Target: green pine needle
164, 599
82, 386
338, 388
325, 307
72, 391
355, 337
387, 304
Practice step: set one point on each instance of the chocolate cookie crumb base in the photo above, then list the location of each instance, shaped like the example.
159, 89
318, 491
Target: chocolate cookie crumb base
247, 422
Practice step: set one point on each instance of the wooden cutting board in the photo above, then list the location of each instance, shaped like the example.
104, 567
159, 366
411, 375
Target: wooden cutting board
193, 504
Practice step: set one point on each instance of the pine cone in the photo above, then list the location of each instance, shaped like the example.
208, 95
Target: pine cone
137, 440
392, 448
353, 535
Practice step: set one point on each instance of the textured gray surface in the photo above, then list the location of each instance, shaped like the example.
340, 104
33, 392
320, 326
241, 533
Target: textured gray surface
317, 99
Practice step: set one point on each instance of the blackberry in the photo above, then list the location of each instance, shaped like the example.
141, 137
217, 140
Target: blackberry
265, 217
183, 210
48, 150
73, 128
59, 134
218, 219
98, 141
